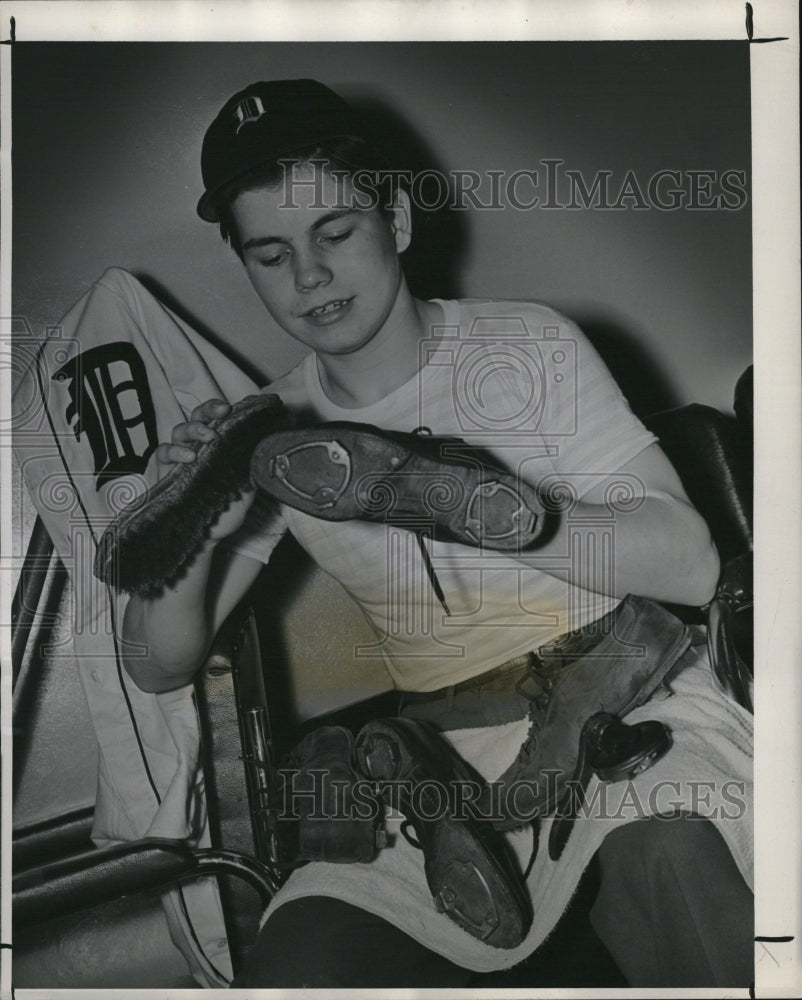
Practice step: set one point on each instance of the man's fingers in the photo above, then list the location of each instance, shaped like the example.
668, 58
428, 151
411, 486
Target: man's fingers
193, 430
212, 409
196, 430
169, 454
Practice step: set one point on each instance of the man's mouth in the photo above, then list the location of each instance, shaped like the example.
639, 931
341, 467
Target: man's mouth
330, 307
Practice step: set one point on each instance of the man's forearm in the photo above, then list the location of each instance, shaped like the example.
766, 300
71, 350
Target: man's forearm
171, 630
661, 550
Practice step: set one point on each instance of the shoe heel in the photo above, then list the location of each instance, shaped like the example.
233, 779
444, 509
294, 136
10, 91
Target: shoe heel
466, 898
498, 517
469, 885
379, 758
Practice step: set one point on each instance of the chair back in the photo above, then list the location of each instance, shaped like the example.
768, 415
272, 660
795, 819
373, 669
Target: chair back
712, 453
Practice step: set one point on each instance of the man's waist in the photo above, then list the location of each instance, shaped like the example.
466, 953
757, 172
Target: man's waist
547, 660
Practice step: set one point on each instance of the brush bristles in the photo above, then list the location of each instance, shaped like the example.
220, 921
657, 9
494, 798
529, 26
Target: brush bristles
152, 540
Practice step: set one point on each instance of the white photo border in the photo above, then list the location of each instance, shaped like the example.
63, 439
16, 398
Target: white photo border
776, 291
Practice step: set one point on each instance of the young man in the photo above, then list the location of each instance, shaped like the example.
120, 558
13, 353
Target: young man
463, 621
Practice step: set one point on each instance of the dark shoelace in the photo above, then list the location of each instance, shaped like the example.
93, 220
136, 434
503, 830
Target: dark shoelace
427, 562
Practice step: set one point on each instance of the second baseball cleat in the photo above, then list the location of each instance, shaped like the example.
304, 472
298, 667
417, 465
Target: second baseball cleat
471, 873
347, 471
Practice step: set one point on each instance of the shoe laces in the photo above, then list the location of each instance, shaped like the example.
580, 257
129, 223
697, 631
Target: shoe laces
408, 833
430, 572
540, 698
424, 431
539, 701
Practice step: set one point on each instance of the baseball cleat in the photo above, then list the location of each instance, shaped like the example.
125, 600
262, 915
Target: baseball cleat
348, 471
471, 873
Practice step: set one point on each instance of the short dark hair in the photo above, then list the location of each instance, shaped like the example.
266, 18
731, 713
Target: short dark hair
348, 155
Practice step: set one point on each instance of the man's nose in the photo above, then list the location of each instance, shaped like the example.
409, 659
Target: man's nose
310, 272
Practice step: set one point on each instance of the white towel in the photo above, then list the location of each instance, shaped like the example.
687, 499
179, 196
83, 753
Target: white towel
708, 770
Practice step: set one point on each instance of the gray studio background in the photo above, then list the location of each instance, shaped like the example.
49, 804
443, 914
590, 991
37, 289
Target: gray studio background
106, 150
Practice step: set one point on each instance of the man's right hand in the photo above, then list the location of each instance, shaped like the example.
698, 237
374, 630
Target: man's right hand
186, 440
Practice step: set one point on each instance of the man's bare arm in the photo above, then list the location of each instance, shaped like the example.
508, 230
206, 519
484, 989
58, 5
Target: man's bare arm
658, 546
177, 627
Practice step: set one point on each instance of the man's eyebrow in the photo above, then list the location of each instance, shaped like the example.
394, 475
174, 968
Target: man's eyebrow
261, 241
338, 213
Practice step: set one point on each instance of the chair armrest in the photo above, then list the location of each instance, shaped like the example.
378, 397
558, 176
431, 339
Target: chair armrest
94, 877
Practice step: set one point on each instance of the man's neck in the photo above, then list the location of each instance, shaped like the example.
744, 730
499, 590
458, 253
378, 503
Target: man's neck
390, 360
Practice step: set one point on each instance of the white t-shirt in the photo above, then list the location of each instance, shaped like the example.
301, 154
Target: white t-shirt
524, 383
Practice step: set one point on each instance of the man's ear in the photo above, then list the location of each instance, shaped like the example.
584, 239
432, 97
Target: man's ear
401, 220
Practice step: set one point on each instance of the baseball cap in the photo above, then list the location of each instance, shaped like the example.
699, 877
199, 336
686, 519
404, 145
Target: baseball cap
264, 122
